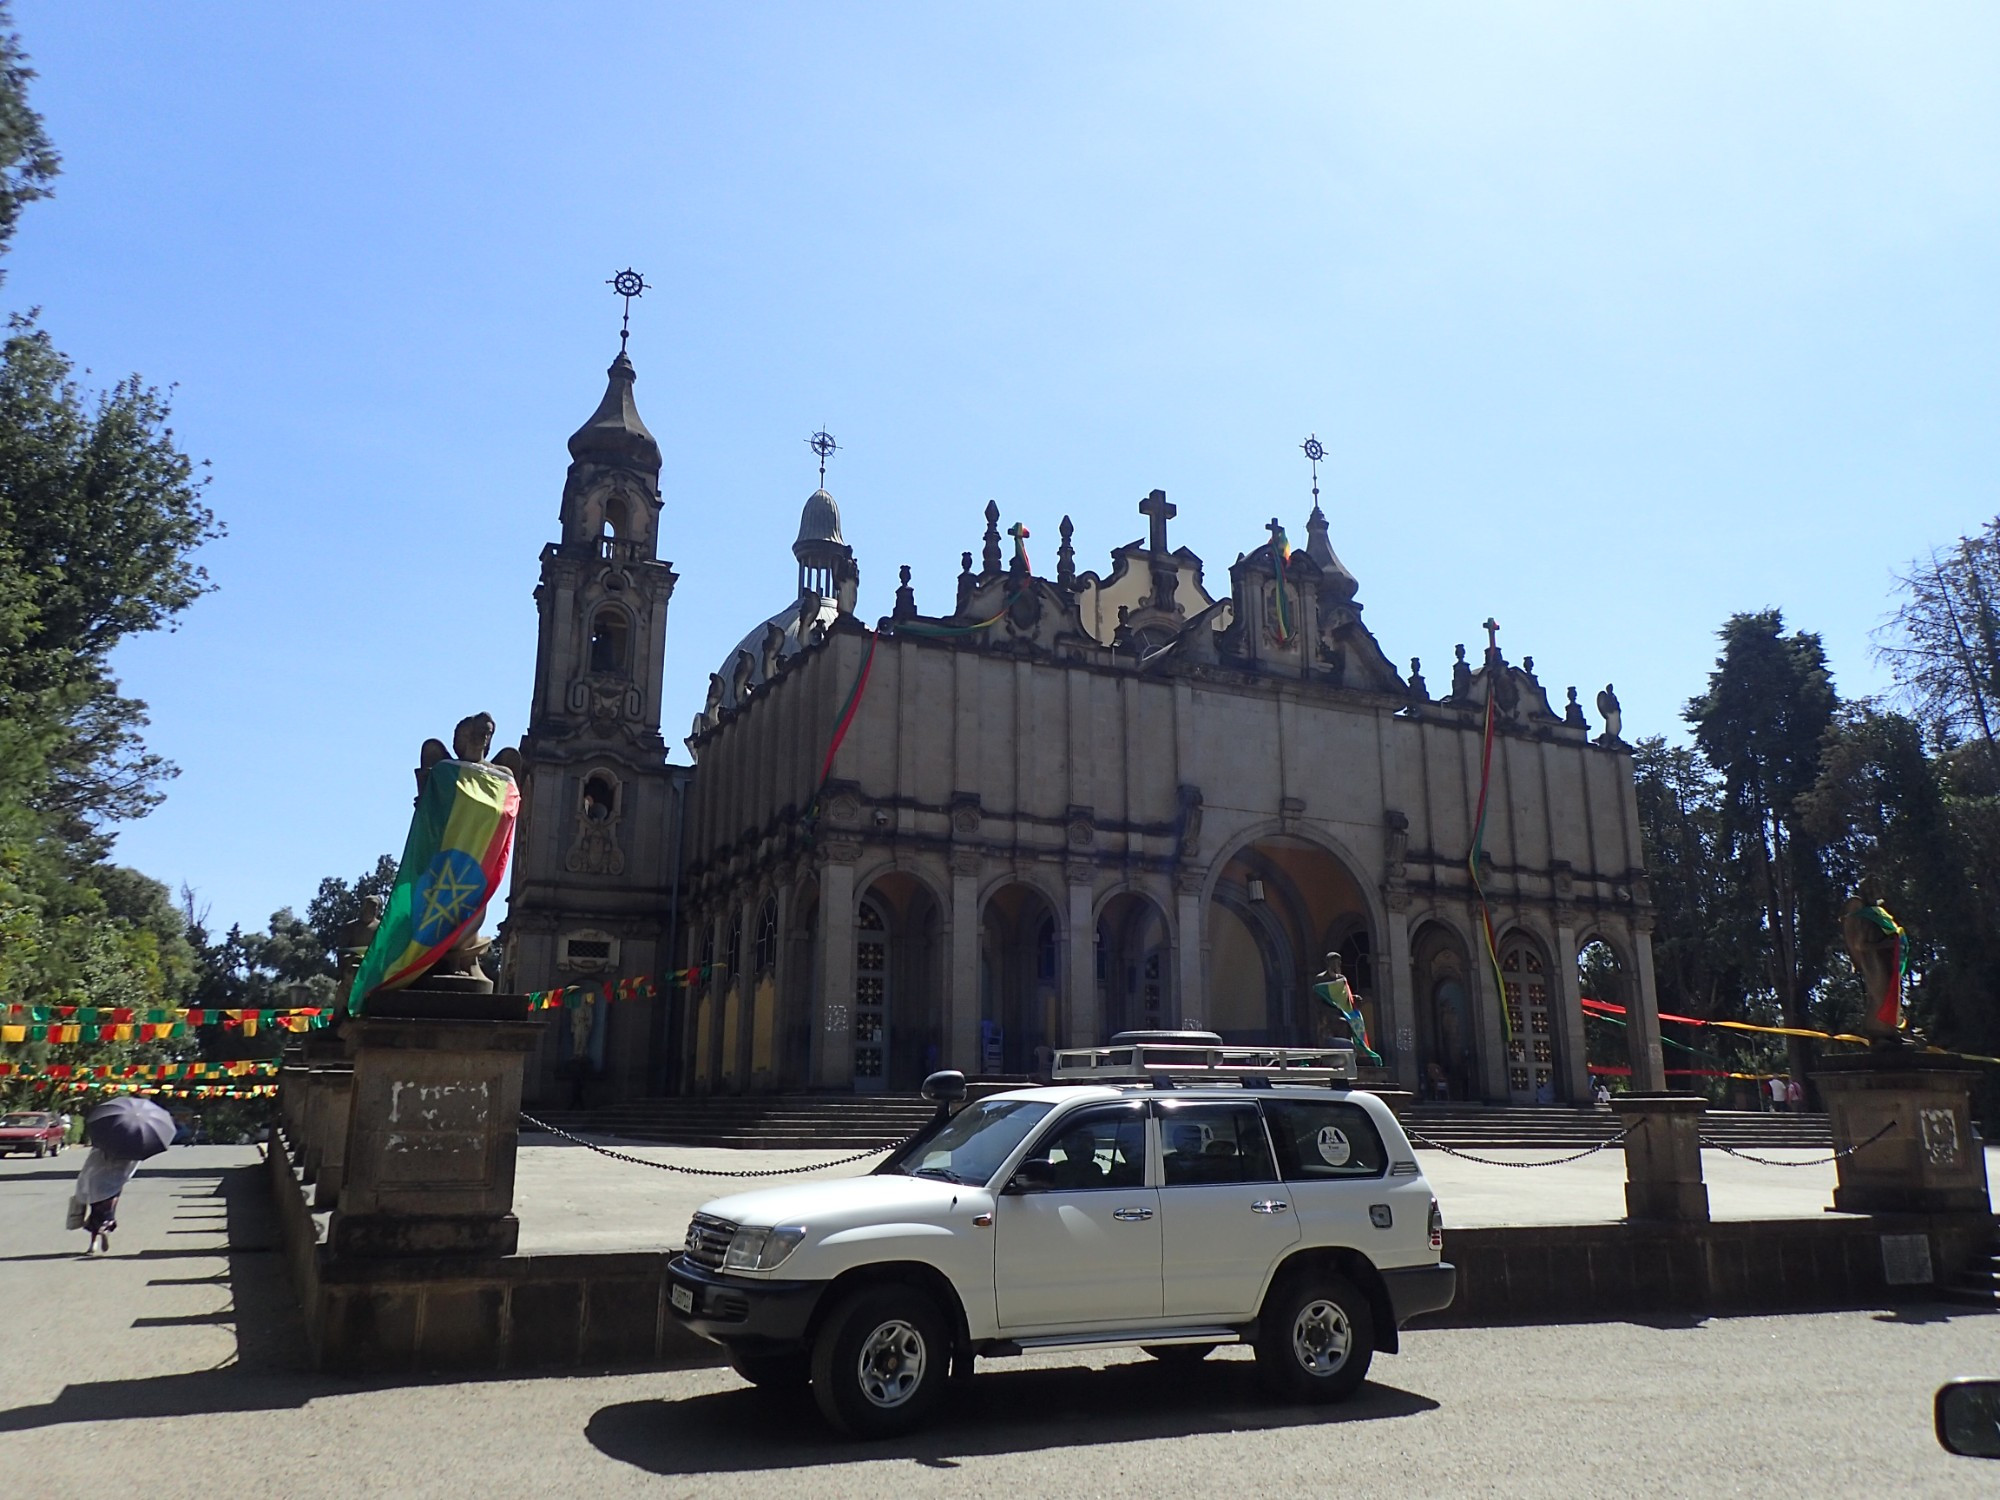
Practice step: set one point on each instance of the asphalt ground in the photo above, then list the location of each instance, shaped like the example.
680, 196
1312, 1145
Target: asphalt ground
174, 1367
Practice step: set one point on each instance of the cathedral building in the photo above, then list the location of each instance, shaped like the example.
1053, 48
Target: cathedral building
1071, 804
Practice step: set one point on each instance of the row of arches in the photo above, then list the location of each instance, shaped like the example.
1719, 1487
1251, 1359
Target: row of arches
1275, 909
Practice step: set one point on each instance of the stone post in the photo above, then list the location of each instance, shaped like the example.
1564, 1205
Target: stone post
1191, 986
433, 1125
1394, 983
1905, 1120
333, 1091
1663, 1156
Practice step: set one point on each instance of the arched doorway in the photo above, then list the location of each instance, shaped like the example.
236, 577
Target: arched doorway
898, 986
1020, 980
1447, 1039
1607, 1040
1134, 966
1533, 1076
1278, 907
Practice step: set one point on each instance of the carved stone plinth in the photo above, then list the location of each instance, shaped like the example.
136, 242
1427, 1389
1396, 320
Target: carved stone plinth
433, 1125
1663, 1156
332, 1088
1926, 1160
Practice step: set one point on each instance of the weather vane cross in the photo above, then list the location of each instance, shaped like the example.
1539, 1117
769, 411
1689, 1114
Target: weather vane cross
825, 447
1314, 450
628, 284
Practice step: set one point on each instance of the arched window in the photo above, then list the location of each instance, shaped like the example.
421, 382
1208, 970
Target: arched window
617, 519
735, 941
767, 936
600, 798
610, 642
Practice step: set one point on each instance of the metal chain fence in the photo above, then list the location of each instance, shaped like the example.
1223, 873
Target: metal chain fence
1817, 1161
667, 1166
1488, 1161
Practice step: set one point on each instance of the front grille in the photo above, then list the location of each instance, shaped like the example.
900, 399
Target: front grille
708, 1240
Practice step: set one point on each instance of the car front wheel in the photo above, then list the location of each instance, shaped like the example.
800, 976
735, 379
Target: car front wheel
1315, 1338
880, 1362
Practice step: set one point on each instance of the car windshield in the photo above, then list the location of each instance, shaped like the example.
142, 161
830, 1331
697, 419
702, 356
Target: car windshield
32, 1121
972, 1146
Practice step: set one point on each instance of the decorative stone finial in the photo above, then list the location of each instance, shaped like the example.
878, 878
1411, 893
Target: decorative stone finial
991, 555
1066, 555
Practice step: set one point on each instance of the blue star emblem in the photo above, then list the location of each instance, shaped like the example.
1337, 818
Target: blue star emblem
450, 890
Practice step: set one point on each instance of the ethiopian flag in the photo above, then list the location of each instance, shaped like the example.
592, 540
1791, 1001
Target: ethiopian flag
452, 864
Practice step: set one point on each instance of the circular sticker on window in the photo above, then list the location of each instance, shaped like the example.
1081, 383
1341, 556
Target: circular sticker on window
1333, 1147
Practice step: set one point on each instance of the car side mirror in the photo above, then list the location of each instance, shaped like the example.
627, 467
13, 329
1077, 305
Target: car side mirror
1967, 1417
945, 1089
1035, 1175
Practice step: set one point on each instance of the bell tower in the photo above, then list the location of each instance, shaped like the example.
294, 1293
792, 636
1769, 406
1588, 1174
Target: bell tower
591, 899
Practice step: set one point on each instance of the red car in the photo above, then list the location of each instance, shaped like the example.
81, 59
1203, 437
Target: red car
40, 1133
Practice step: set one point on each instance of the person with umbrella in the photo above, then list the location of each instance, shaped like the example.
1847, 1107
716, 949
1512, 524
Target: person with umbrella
122, 1133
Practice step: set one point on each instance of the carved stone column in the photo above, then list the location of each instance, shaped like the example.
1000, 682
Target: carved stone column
833, 1036
1081, 1007
1395, 983
1642, 1022
963, 999
1193, 987
1569, 1008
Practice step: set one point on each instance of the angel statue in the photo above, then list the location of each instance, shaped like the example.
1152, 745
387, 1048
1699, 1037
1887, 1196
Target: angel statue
452, 864
1332, 989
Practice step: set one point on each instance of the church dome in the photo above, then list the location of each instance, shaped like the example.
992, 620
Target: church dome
615, 434
820, 520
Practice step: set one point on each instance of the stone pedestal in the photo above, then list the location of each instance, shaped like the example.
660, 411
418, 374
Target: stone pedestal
1663, 1156
1927, 1161
333, 1094
433, 1124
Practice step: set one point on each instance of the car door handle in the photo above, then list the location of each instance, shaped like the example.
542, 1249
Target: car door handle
1131, 1215
1269, 1206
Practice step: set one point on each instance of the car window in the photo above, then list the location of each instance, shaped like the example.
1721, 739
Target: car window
972, 1144
1211, 1143
1099, 1148
1320, 1139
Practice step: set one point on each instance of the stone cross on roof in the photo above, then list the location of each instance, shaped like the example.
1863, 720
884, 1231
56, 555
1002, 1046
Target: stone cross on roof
1156, 509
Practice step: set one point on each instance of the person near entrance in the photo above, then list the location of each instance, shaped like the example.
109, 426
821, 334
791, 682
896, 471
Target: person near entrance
1332, 990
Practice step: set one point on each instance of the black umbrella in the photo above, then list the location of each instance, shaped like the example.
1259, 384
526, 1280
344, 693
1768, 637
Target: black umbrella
130, 1128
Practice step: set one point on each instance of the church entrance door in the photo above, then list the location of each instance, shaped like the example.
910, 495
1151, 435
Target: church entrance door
1134, 966
1447, 1045
1532, 1077
871, 1000
1020, 981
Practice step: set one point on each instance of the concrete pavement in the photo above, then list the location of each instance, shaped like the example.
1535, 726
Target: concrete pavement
173, 1369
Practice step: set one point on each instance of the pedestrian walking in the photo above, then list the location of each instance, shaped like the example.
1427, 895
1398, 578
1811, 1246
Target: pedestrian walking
93, 1206
1778, 1094
1795, 1096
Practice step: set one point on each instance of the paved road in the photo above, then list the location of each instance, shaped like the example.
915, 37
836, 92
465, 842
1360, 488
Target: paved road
172, 1369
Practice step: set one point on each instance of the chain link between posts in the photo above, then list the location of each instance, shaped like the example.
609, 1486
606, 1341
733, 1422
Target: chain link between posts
1817, 1161
1488, 1161
667, 1166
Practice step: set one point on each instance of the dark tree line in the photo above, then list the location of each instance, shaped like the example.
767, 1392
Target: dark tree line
1790, 800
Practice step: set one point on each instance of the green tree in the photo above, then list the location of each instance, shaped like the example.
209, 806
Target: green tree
1760, 726
1704, 945
1943, 644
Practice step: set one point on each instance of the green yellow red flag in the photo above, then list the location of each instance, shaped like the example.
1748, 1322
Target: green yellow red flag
451, 867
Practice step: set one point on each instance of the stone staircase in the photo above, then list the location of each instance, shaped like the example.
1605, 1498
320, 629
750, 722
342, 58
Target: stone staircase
766, 1122
1474, 1127
1978, 1285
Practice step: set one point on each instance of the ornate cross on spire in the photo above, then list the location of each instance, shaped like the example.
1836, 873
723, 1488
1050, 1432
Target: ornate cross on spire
1315, 451
1156, 509
1492, 629
628, 284
822, 443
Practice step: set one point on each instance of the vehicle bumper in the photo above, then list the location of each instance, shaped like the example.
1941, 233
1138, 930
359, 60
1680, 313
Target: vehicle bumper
1416, 1290
753, 1316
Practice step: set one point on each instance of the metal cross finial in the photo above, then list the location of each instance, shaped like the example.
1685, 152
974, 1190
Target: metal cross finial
822, 443
628, 284
1314, 450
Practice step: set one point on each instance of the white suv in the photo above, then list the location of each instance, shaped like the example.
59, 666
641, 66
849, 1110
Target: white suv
1201, 1195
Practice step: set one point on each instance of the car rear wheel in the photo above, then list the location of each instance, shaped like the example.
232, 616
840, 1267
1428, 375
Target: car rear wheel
1178, 1354
1315, 1338
880, 1362
774, 1371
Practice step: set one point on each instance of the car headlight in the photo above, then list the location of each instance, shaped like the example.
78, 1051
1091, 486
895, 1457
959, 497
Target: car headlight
761, 1249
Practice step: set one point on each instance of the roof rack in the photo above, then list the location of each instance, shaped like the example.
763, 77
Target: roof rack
1165, 1064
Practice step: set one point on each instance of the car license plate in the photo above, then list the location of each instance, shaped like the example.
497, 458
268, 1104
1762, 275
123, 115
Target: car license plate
684, 1299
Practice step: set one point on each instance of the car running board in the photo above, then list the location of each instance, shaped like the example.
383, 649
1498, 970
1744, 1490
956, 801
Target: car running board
1147, 1336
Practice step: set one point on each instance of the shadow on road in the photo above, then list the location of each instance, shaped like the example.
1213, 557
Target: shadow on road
267, 1372
999, 1411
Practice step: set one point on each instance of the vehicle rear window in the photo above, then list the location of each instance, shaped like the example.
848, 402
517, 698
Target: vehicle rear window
1205, 1144
1324, 1138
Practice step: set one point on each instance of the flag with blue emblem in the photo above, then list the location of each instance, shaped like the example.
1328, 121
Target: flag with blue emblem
452, 863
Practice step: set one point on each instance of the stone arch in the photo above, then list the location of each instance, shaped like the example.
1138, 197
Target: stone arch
1444, 988
1272, 896
1134, 952
1020, 976
1604, 972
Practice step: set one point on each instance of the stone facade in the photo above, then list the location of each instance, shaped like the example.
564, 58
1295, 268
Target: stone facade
1083, 803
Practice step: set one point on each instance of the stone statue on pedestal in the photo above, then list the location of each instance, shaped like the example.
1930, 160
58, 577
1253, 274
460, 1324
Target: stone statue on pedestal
1331, 989
1874, 942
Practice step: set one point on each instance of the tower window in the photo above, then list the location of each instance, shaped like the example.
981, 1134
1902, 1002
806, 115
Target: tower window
610, 642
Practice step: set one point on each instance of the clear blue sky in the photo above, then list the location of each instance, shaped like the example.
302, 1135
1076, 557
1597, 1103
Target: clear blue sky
1614, 319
